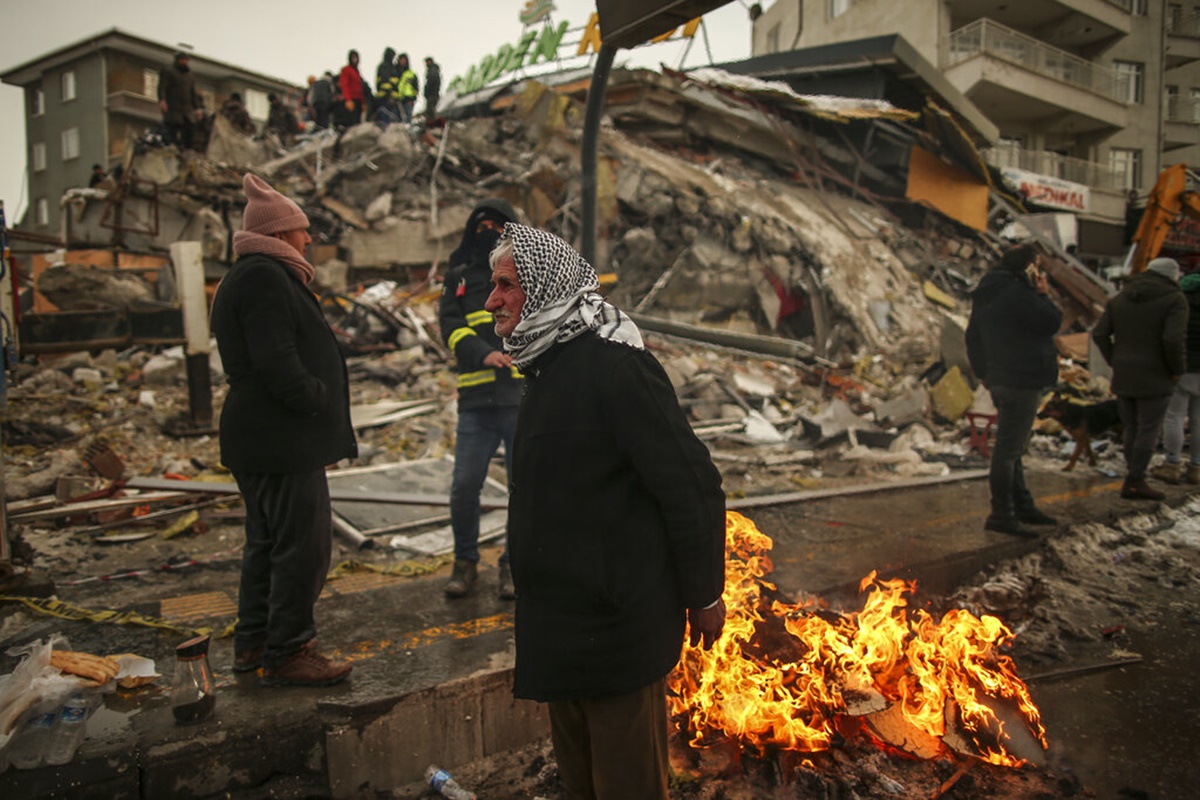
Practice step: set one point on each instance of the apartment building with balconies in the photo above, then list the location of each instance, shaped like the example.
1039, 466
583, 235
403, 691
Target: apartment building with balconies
1099, 93
84, 101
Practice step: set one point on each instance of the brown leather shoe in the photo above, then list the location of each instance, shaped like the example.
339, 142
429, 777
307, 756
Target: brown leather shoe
247, 660
462, 579
307, 667
1138, 489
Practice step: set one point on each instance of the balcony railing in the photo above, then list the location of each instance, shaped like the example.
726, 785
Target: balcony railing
1182, 109
1043, 162
987, 37
1182, 24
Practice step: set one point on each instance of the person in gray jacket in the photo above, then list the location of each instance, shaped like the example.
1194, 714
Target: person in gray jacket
1142, 335
1184, 409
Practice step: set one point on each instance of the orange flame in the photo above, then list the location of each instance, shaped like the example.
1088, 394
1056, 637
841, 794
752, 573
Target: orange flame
782, 674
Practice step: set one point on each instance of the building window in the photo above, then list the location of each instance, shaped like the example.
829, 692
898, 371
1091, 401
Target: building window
1174, 16
256, 104
1171, 101
1195, 111
150, 83
1130, 80
1126, 166
37, 103
39, 156
1138, 8
838, 7
70, 144
43, 212
773, 39
68, 85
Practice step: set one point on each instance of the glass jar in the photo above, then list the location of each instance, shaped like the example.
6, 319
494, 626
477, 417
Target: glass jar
193, 695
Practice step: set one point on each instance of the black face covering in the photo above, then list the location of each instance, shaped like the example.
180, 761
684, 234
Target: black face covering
482, 245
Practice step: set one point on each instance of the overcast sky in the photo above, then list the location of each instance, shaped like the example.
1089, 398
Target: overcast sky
302, 37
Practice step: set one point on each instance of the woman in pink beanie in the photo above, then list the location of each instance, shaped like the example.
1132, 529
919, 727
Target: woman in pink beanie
286, 416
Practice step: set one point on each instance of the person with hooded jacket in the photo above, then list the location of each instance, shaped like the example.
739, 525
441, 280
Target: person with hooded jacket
387, 88
1184, 408
489, 388
406, 86
350, 83
1142, 334
1010, 344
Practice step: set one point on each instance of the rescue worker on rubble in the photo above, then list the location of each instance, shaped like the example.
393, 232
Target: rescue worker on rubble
285, 418
1010, 344
407, 85
489, 389
387, 90
234, 111
616, 521
1142, 334
350, 83
181, 105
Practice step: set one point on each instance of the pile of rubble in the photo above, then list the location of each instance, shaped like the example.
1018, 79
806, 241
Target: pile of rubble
810, 316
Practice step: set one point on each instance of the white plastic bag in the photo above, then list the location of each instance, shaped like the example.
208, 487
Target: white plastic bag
33, 681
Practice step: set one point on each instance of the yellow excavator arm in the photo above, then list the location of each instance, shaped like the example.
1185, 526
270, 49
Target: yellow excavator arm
1170, 201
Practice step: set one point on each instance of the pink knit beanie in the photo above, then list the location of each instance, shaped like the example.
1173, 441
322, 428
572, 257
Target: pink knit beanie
267, 211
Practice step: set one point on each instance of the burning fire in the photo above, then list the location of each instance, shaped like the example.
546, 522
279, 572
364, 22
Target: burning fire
790, 676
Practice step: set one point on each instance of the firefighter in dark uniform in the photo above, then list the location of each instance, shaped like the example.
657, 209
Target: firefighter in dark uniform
489, 388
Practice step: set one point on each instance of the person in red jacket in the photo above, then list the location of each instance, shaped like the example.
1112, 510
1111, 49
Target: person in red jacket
351, 83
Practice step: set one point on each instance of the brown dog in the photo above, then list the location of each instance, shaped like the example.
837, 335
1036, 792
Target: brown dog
1084, 421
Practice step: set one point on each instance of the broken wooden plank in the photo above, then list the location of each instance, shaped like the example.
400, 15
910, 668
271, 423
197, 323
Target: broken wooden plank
71, 509
846, 491
347, 214
401, 498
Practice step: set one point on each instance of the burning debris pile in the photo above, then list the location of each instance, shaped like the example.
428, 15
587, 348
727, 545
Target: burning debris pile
791, 677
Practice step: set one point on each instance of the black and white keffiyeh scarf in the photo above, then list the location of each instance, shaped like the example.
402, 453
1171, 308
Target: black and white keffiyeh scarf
561, 300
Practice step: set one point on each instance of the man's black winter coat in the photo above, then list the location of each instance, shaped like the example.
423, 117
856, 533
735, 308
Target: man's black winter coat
288, 406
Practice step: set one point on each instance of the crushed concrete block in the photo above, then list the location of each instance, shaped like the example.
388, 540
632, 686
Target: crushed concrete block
908, 407
332, 274
398, 139
759, 430
161, 370
681, 371
378, 208
80, 286
358, 140
754, 386
157, 164
836, 418
952, 341
404, 243
86, 375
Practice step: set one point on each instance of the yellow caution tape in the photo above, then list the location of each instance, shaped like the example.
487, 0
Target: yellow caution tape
182, 524
57, 608
403, 569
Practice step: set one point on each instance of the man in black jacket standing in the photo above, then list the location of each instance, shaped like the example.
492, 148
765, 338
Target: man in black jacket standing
489, 388
1010, 343
616, 521
180, 103
1143, 337
285, 418
433, 88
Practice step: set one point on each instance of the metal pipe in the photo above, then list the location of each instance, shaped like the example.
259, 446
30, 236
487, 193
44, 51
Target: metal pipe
591, 136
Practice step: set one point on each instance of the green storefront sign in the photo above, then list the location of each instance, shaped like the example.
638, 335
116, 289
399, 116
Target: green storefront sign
510, 58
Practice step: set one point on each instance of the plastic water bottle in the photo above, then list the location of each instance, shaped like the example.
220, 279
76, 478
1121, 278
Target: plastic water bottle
28, 748
70, 730
444, 785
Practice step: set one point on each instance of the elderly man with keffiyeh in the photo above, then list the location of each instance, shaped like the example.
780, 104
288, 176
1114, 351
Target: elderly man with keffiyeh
616, 522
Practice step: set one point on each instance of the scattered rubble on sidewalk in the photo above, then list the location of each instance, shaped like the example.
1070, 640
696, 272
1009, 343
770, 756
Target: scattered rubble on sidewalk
809, 315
